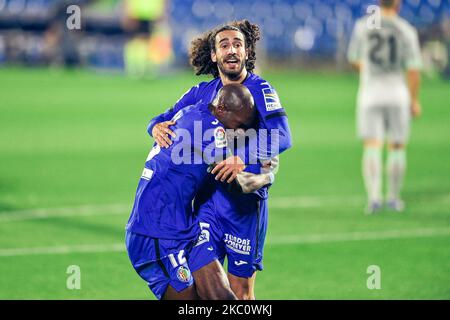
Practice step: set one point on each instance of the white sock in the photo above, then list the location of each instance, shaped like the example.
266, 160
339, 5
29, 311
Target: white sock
372, 173
396, 167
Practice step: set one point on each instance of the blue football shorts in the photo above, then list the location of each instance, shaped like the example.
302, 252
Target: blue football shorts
237, 227
162, 262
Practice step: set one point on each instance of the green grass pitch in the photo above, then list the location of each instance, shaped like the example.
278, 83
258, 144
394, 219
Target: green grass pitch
75, 142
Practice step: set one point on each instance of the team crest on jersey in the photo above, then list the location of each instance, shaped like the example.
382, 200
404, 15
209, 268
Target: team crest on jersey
183, 274
220, 137
271, 99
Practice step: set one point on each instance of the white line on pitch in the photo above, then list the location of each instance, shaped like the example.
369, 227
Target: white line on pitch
273, 240
288, 202
87, 248
123, 208
357, 236
314, 201
82, 211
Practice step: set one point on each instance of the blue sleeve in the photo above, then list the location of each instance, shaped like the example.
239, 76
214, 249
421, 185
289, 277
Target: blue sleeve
273, 118
253, 168
189, 98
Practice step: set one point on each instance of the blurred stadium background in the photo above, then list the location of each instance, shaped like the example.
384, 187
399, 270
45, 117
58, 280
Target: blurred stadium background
74, 105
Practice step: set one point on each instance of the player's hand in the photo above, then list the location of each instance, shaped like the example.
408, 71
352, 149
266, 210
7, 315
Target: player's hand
228, 169
161, 132
416, 109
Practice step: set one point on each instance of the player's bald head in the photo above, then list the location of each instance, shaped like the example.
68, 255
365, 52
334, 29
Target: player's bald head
234, 106
235, 97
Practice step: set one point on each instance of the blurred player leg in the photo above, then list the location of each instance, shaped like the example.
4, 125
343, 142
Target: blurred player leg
396, 167
371, 130
397, 136
372, 174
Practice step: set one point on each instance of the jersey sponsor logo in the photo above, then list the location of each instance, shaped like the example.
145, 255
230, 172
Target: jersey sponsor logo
183, 274
220, 137
237, 244
271, 99
240, 262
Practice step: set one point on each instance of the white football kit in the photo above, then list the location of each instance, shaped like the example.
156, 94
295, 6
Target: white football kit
384, 54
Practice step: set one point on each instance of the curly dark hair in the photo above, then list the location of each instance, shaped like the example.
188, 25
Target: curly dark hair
200, 52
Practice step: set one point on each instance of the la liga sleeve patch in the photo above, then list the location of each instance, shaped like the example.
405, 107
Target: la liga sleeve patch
271, 99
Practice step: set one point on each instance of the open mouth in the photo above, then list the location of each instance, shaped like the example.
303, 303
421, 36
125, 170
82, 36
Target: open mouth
232, 63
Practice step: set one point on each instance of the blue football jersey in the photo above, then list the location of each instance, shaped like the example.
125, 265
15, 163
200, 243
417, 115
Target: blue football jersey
172, 176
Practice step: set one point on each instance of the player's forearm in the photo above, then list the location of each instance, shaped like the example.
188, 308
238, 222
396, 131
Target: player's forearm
250, 182
278, 138
413, 84
285, 140
278, 141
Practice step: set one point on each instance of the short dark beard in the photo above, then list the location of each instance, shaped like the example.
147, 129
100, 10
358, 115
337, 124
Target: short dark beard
231, 76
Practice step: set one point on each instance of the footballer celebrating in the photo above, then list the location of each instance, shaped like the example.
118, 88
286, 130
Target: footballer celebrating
386, 100
163, 238
228, 54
